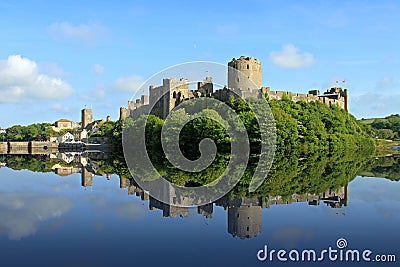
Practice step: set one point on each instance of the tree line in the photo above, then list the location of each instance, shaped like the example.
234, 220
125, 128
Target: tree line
383, 128
33, 132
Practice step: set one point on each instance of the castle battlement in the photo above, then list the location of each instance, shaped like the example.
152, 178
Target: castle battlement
244, 80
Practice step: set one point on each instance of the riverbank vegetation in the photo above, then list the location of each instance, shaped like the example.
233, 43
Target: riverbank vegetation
301, 129
383, 128
33, 132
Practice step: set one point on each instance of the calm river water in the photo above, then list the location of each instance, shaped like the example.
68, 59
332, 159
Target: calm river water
70, 217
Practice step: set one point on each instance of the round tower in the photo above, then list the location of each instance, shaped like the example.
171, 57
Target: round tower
243, 69
245, 221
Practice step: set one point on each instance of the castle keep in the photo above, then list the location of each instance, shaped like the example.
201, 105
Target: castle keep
244, 80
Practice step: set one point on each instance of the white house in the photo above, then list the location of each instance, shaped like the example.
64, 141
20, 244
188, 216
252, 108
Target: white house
81, 134
67, 137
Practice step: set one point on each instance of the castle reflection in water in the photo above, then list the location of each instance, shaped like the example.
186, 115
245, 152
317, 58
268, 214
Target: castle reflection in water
244, 214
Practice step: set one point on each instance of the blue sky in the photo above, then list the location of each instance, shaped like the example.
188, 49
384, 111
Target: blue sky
58, 56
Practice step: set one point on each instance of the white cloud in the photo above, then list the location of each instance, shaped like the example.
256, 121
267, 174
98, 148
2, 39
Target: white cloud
98, 69
290, 57
130, 84
52, 69
127, 210
21, 81
90, 33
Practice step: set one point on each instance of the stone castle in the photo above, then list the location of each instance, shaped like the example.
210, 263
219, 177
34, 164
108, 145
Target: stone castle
244, 80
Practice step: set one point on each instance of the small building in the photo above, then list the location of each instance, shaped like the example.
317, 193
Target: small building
81, 135
2, 131
64, 124
67, 137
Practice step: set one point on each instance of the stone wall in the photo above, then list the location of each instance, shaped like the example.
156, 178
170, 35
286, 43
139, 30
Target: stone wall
24, 148
333, 96
244, 80
205, 88
3, 147
37, 147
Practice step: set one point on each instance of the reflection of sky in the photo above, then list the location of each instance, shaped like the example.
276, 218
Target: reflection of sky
20, 213
61, 223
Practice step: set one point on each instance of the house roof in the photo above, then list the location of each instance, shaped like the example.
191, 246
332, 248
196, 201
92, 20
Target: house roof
63, 120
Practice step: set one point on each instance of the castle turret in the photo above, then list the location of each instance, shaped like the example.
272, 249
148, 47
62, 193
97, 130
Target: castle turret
245, 221
87, 177
122, 113
167, 96
87, 117
206, 88
248, 68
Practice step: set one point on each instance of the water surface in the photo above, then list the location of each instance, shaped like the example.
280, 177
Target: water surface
62, 218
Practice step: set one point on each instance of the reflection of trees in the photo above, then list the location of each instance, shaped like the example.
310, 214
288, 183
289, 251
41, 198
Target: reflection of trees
386, 167
292, 175
289, 174
35, 163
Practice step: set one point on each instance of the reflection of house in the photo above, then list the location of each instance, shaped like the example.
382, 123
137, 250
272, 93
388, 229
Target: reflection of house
65, 171
66, 157
66, 137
